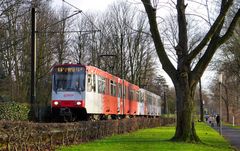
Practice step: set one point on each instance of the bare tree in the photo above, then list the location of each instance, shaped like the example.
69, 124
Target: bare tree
120, 45
11, 44
81, 41
15, 46
62, 39
130, 43
185, 77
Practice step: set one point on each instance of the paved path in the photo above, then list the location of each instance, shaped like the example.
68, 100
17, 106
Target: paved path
232, 135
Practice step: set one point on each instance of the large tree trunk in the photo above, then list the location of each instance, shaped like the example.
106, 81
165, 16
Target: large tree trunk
185, 129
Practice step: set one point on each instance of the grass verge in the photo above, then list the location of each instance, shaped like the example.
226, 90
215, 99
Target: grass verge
156, 139
230, 125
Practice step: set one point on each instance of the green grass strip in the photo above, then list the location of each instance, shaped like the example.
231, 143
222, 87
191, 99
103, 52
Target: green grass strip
156, 139
231, 126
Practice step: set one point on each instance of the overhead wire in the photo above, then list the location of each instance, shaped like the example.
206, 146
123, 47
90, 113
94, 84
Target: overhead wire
86, 17
82, 13
22, 39
70, 31
62, 20
96, 28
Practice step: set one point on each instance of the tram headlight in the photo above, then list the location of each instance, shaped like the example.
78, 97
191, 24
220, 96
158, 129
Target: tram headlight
56, 103
79, 103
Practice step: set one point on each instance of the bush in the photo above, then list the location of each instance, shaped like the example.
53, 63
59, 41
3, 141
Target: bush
14, 111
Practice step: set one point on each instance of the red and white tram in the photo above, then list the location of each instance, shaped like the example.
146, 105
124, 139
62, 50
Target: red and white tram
80, 91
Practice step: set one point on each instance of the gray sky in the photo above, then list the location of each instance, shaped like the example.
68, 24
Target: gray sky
86, 5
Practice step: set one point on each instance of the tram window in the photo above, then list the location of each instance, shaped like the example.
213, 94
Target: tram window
141, 97
149, 99
107, 87
112, 88
134, 95
119, 90
125, 92
137, 96
101, 85
130, 94
94, 83
159, 102
153, 100
89, 83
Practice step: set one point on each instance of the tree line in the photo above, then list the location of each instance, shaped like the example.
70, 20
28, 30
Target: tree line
228, 65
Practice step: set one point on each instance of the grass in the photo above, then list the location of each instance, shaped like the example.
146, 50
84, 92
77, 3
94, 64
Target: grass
230, 125
156, 139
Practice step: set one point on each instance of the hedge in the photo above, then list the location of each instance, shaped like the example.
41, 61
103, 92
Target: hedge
47, 136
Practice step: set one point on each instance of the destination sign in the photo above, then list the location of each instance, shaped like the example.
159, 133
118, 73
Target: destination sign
69, 69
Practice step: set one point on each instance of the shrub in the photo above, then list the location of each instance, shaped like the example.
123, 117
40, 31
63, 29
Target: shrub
13, 111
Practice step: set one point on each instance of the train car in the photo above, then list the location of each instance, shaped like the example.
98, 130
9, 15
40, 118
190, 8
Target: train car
130, 98
69, 91
149, 104
103, 96
80, 92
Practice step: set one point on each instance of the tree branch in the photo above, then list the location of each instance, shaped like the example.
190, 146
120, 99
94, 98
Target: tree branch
215, 42
231, 28
166, 63
213, 29
182, 46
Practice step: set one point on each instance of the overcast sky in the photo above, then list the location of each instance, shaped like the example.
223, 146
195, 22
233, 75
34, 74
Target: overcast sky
86, 5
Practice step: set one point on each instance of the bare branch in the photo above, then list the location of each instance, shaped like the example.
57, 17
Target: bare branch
207, 21
231, 28
218, 22
166, 63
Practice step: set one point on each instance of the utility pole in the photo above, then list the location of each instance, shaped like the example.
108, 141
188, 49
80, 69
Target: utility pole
200, 95
122, 77
220, 102
33, 61
165, 107
165, 102
201, 100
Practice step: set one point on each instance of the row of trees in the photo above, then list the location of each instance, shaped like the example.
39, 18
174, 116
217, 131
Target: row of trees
15, 48
228, 66
116, 41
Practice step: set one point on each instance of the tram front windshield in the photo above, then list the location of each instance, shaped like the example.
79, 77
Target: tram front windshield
69, 79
